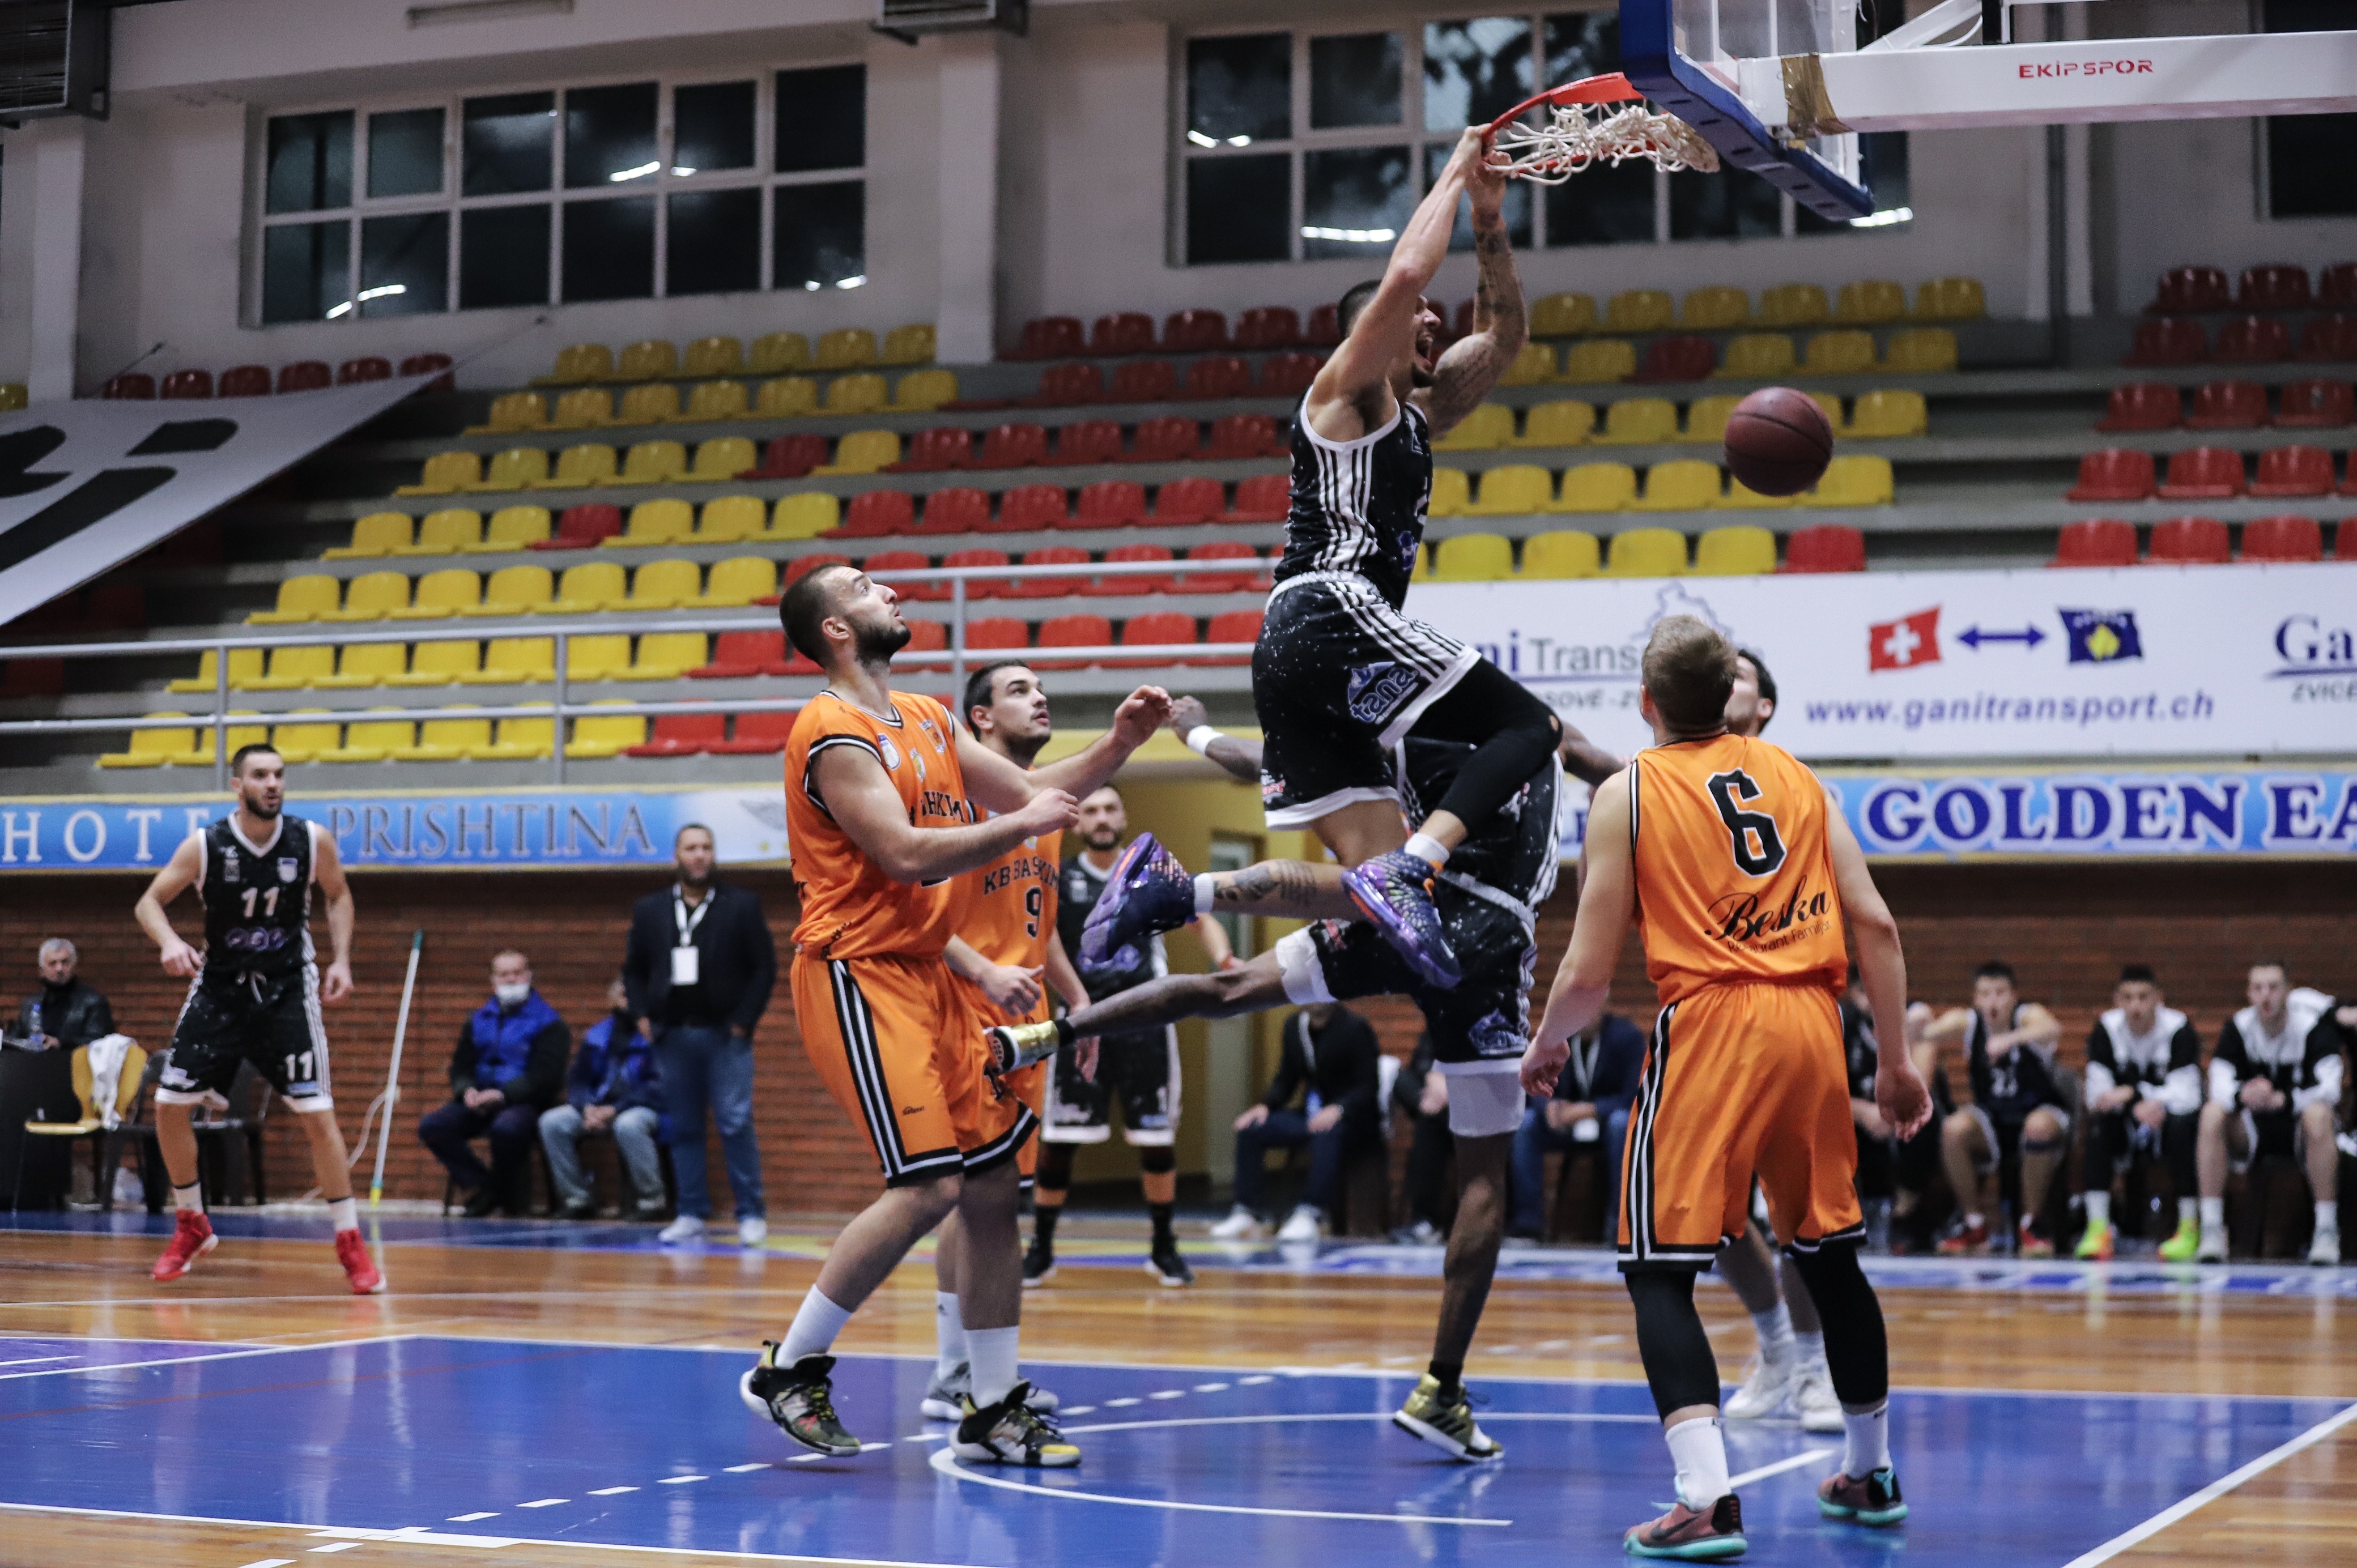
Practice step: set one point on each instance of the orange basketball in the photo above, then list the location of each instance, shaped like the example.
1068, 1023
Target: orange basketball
1779, 441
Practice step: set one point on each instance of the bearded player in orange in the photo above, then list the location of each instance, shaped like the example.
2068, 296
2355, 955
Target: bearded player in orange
878, 786
1739, 868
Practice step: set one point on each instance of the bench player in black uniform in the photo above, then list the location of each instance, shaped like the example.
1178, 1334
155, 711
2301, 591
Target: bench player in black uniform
255, 995
2019, 1125
2144, 1101
2274, 1089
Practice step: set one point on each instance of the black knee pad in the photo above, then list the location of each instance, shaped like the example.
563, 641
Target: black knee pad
1858, 1351
1055, 1171
1158, 1161
1680, 1367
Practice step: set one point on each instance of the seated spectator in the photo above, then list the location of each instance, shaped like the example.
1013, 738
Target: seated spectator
1331, 1053
1421, 1095
2144, 1105
65, 1011
1589, 1116
2017, 1127
2274, 1089
508, 1067
614, 1089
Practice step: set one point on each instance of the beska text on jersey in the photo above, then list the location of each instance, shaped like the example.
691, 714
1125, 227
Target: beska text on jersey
1737, 917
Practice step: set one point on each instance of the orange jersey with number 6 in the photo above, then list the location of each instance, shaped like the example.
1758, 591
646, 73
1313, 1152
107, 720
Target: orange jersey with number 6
1734, 867
850, 909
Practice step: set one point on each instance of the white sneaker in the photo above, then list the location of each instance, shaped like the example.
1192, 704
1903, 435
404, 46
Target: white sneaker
1241, 1225
2325, 1251
1814, 1397
1765, 1391
681, 1231
2213, 1246
1303, 1224
752, 1230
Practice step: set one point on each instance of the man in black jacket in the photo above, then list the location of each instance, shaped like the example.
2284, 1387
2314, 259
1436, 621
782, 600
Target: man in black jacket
507, 1067
1331, 1052
65, 1012
699, 969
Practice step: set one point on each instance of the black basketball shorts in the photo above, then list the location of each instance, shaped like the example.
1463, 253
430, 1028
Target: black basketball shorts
1140, 1069
231, 1018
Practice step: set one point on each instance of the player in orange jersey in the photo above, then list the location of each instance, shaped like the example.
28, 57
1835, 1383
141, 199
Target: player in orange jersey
1738, 868
882, 788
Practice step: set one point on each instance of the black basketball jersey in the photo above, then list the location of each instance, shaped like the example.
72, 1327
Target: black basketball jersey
2008, 1088
257, 900
1515, 851
1078, 886
1359, 506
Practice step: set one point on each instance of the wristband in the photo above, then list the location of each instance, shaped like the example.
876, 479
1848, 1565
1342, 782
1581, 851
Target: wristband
1200, 738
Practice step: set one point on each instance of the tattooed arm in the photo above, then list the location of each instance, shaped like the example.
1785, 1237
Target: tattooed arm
1474, 363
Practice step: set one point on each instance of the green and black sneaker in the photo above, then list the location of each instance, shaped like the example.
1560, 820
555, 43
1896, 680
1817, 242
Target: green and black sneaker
1012, 1431
1445, 1420
800, 1397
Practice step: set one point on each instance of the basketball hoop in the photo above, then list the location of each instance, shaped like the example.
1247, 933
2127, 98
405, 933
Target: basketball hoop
1580, 132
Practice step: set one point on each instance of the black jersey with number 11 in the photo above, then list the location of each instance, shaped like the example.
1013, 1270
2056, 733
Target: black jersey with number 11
257, 899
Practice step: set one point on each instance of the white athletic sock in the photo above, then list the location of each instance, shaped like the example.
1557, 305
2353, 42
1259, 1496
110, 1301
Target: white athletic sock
1426, 847
1869, 1441
1972, 1219
815, 1327
1810, 1348
2328, 1214
993, 1354
949, 1332
1698, 1448
1775, 1326
2213, 1216
190, 1197
2188, 1211
345, 1213
2099, 1208
1204, 885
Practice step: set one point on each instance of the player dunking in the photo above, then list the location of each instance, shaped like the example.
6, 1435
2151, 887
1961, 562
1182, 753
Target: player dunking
1739, 868
881, 788
255, 995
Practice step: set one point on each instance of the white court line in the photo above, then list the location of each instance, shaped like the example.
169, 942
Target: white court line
35, 1360
1778, 1468
209, 1356
273, 1562
946, 1464
2214, 1490
471, 1518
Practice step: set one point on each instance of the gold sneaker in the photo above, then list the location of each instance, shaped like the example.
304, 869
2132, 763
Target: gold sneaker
1445, 1422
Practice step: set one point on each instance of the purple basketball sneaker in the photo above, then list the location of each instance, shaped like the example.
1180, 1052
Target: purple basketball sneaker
1394, 891
1149, 892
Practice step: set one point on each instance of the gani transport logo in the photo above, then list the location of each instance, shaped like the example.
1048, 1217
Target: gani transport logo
2319, 655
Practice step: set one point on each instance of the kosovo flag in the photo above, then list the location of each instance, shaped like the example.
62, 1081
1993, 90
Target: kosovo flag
2102, 637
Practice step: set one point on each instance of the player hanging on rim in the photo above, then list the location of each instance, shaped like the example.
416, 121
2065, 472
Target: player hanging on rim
881, 791
1739, 868
255, 995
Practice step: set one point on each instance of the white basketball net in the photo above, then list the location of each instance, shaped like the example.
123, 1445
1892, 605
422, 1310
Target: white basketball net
1577, 136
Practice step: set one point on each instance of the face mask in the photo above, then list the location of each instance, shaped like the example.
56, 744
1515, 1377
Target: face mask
511, 995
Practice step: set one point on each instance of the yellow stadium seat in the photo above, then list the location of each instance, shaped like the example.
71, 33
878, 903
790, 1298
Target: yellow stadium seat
713, 357
862, 393
651, 463
1534, 364
1792, 304
244, 664
301, 599
1756, 355
579, 467
593, 586
846, 347
515, 661
1563, 315
1839, 354
1563, 422
1682, 484
714, 401
910, 345
805, 516
722, 457
1473, 558
1951, 299
739, 580
584, 408
1741, 497
923, 392
665, 522
647, 360
1737, 551
776, 351
520, 740
303, 741
1879, 414
1603, 359
14, 396
1854, 481
666, 586
444, 740
1560, 553
583, 362
371, 740
1490, 425
1639, 310
667, 656
155, 747
1706, 418
1421, 570
1598, 487
863, 452
440, 663
731, 520
598, 735
294, 667
1514, 490
515, 528
372, 595
1714, 309
1452, 493
452, 530
377, 534
1832, 404
445, 473
655, 403
603, 657
1870, 301
516, 590
788, 397
239, 735
453, 591
1633, 421
1647, 552
1921, 351
513, 412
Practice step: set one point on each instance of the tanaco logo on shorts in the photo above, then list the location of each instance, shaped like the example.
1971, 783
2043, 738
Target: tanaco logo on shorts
1376, 690
1739, 917
1495, 1035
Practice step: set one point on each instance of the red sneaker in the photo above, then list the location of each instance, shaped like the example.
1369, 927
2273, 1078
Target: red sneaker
192, 1237
1709, 1536
2030, 1244
359, 1267
1966, 1239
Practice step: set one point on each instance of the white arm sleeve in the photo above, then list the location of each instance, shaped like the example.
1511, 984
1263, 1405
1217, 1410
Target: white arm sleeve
2223, 1085
2326, 1090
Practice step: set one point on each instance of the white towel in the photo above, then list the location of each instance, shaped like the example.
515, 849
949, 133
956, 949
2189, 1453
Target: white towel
107, 1054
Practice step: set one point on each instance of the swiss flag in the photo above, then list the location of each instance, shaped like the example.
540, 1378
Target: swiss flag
1904, 643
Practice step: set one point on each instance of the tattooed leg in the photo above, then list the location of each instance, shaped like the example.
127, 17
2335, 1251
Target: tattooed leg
1253, 986
1289, 889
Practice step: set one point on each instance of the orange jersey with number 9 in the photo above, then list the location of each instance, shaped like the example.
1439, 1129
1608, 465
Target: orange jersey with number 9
1010, 911
850, 909
1734, 867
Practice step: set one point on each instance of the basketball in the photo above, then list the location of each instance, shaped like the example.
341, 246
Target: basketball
1779, 441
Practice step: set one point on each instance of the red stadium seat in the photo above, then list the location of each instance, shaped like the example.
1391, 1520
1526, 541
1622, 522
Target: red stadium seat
1144, 380
682, 734
1064, 386
1049, 588
2274, 287
960, 511
2202, 473
1087, 441
2143, 405
1218, 375
935, 451
1229, 581
2113, 475
368, 367
876, 514
33, 677
425, 364
981, 587
114, 607
1269, 326
928, 636
1048, 337
1127, 332
1289, 375
1827, 547
992, 633
2328, 339
2099, 541
2251, 341
1013, 447
2293, 471
1325, 330
2228, 405
2184, 289
1119, 583
916, 589
1027, 507
1189, 501
2288, 539
245, 381
136, 386
1233, 625
1264, 497
1110, 503
2314, 404
739, 654
757, 734
189, 384
2190, 541
2337, 285
802, 567
1677, 359
305, 375
2344, 547
2349, 484
789, 458
583, 527
1072, 631
1169, 439
1235, 435
2170, 340
1152, 630
1194, 332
